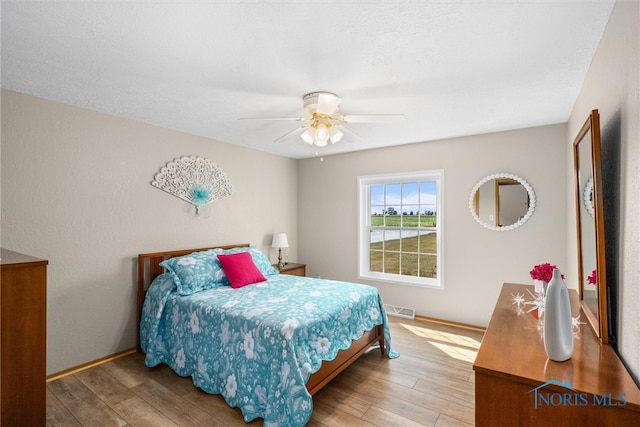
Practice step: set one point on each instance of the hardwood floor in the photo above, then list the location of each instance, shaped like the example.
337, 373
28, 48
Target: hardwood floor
430, 384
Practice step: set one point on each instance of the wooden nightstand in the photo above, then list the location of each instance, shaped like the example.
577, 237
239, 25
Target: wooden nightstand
293, 269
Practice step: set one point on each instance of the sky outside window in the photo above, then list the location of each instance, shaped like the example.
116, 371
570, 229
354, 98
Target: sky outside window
416, 197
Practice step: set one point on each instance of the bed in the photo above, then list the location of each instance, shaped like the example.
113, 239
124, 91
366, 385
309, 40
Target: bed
268, 346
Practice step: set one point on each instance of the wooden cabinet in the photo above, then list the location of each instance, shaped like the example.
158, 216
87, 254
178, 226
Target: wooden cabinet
23, 320
293, 269
516, 384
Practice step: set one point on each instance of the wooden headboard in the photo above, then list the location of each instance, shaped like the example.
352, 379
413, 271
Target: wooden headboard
149, 268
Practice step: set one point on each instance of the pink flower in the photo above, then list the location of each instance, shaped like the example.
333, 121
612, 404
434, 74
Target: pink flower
543, 272
593, 278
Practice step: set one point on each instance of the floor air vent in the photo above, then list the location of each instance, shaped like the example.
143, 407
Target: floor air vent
394, 310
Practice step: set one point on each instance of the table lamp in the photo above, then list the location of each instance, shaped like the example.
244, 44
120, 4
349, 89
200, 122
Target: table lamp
280, 241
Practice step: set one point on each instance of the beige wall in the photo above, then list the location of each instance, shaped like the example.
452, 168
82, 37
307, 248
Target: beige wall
476, 261
612, 86
76, 191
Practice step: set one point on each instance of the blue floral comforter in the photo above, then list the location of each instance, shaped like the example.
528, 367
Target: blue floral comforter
258, 345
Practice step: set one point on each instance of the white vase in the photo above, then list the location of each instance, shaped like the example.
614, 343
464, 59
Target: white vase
558, 327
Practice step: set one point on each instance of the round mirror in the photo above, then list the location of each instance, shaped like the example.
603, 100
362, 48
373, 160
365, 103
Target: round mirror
502, 201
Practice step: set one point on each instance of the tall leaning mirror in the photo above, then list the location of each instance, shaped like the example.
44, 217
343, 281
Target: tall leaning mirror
590, 225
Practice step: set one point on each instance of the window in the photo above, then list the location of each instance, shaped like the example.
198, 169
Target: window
400, 224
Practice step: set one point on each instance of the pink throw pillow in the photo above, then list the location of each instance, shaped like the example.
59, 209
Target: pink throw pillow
240, 269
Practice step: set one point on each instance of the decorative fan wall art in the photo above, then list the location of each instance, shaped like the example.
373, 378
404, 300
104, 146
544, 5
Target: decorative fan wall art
195, 180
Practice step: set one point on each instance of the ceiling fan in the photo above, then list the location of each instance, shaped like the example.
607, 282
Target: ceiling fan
324, 121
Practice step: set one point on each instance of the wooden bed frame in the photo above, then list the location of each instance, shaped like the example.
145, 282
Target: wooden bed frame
149, 268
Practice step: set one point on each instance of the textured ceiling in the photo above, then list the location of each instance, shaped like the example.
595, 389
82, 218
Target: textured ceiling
453, 68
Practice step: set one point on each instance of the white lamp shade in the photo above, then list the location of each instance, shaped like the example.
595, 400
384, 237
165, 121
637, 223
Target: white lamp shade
320, 142
322, 135
280, 241
308, 136
335, 135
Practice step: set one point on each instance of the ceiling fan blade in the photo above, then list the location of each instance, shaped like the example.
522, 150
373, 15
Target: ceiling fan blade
372, 118
290, 133
297, 119
349, 131
328, 103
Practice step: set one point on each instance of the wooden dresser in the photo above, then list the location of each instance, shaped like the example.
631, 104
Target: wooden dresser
23, 344
516, 384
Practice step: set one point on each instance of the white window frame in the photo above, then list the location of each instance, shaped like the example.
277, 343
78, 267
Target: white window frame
364, 227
